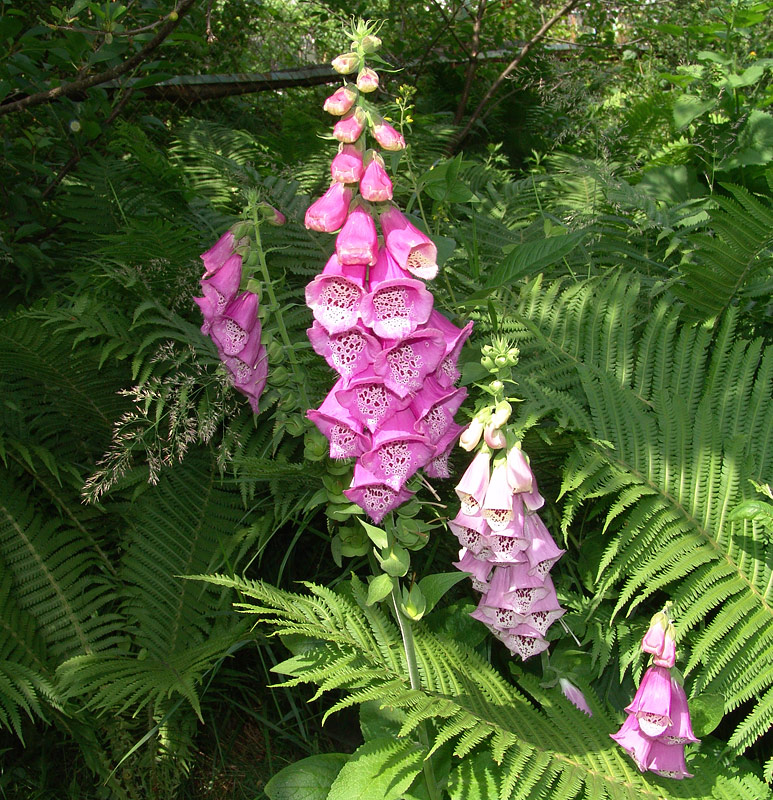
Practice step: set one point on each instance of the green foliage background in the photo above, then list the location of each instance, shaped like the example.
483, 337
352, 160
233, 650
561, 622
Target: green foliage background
611, 212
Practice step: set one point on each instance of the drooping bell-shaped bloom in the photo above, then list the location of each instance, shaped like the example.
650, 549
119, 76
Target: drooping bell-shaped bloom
413, 250
406, 363
679, 732
497, 506
447, 373
345, 63
216, 256
533, 500
341, 100
367, 80
438, 466
396, 305
208, 311
535, 622
435, 408
521, 642
494, 437
329, 213
375, 184
633, 741
349, 352
345, 434
471, 532
373, 495
660, 640
347, 166
471, 435
231, 330
574, 696
511, 586
472, 488
222, 285
350, 126
543, 551
651, 704
357, 243
250, 364
387, 136
667, 761
519, 474
369, 401
335, 296
397, 452
478, 570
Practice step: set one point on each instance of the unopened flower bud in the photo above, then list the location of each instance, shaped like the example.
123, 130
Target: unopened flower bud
370, 43
574, 696
346, 63
270, 214
494, 437
497, 386
387, 136
341, 100
367, 80
501, 361
501, 414
471, 435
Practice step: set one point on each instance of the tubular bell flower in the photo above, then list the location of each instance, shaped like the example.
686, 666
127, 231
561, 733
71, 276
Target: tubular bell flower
344, 432
406, 364
373, 495
345, 63
574, 696
367, 80
348, 352
231, 330
220, 287
435, 408
387, 136
357, 242
341, 100
369, 400
413, 250
350, 126
329, 213
347, 166
335, 296
473, 486
375, 184
651, 704
218, 254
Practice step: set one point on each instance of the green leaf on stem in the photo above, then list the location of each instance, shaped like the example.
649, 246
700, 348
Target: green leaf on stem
307, 779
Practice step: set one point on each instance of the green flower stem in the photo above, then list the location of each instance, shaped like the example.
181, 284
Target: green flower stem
296, 367
409, 647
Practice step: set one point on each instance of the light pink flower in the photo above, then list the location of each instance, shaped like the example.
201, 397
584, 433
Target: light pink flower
519, 474
367, 80
472, 488
660, 640
345, 63
329, 213
494, 437
412, 249
387, 136
497, 506
651, 704
341, 100
350, 126
574, 696
357, 242
471, 435
375, 184
369, 401
347, 166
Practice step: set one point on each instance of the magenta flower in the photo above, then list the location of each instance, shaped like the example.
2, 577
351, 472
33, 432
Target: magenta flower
347, 166
473, 486
519, 474
375, 184
349, 352
387, 136
367, 80
435, 408
651, 704
373, 495
231, 330
634, 742
357, 243
668, 762
413, 250
341, 100
437, 466
478, 570
250, 369
329, 213
447, 373
660, 641
574, 696
406, 364
218, 254
369, 400
396, 305
350, 126
222, 285
345, 434
679, 732
397, 451
335, 296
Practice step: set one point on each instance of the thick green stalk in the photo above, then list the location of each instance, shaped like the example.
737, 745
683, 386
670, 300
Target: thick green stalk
409, 647
296, 368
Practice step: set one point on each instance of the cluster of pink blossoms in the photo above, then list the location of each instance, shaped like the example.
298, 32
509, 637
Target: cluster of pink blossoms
392, 407
506, 547
658, 723
231, 319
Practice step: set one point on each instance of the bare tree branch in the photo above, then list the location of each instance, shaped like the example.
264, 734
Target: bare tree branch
472, 64
80, 85
523, 52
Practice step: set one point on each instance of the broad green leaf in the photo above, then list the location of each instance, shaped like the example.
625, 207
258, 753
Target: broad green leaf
433, 587
377, 721
395, 561
689, 107
706, 712
381, 769
379, 588
530, 258
307, 779
376, 535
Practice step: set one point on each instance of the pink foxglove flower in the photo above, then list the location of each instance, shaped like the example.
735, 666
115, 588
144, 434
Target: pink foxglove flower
660, 641
471, 435
494, 437
387, 136
341, 100
406, 363
357, 243
375, 184
347, 166
497, 506
329, 213
373, 495
478, 570
473, 486
651, 704
350, 126
412, 249
435, 408
519, 474
369, 401
348, 352
216, 256
542, 551
345, 63
396, 304
231, 330
397, 451
367, 80
222, 285
574, 696
335, 296
679, 732
472, 533
345, 433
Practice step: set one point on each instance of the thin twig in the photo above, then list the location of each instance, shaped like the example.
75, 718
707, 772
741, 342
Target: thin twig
75, 87
472, 64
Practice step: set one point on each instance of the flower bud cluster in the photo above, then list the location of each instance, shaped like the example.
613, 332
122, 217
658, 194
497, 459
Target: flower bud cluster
392, 407
658, 723
231, 318
506, 547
